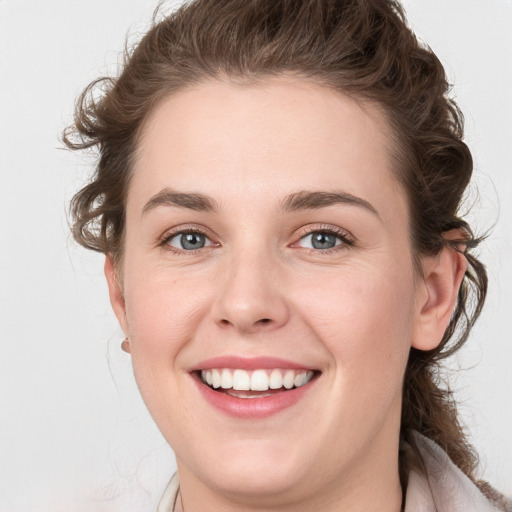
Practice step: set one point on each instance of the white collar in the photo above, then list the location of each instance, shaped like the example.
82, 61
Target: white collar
168, 501
445, 488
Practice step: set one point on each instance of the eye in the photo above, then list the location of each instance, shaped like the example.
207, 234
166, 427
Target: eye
323, 240
320, 240
189, 241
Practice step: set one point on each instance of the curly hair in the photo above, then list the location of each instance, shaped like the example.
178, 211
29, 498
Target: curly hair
361, 48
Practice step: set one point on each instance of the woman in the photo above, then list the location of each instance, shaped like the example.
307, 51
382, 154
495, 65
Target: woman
277, 198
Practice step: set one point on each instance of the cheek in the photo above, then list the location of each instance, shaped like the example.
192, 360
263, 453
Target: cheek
365, 320
162, 311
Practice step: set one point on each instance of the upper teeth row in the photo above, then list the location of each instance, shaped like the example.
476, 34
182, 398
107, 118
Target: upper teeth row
257, 380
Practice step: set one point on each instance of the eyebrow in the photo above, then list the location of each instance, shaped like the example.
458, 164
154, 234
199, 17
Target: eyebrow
303, 200
191, 201
310, 200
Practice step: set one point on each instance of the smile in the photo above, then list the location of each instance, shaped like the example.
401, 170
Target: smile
253, 388
255, 383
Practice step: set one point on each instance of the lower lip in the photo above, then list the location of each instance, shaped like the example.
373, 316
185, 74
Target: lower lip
253, 408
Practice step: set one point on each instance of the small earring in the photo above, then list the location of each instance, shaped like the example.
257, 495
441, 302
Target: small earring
125, 345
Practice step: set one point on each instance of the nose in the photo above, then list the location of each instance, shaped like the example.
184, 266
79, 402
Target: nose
251, 297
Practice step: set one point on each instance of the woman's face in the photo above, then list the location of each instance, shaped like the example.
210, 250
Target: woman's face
267, 244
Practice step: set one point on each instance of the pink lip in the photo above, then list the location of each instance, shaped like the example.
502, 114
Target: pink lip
250, 408
253, 408
249, 363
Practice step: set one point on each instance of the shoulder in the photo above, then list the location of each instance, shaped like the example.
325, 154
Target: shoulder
443, 487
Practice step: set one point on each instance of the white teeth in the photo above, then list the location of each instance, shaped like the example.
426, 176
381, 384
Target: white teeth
239, 395
216, 379
275, 380
241, 380
226, 379
207, 377
300, 379
289, 379
257, 380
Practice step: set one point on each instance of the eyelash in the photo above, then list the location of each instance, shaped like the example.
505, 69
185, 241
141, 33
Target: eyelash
185, 230
346, 239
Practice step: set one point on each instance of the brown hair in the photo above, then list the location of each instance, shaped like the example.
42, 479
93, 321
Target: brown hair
362, 48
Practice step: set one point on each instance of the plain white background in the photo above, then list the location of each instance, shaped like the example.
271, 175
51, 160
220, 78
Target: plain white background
74, 434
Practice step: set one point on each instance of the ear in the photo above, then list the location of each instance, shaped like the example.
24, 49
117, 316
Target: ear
437, 294
116, 293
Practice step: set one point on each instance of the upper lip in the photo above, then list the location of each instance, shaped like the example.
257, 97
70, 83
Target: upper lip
249, 363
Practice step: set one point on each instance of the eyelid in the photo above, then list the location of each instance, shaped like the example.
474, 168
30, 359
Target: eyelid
346, 238
183, 229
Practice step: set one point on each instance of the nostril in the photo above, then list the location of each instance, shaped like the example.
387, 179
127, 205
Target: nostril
225, 322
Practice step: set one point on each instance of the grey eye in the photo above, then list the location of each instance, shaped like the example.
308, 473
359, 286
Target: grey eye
189, 241
320, 240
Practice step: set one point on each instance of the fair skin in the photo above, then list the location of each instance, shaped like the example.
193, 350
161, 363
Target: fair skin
325, 282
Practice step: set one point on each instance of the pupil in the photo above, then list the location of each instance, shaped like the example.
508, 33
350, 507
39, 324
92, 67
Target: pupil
192, 241
323, 241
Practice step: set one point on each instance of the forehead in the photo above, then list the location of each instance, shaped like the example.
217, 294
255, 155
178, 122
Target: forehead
281, 135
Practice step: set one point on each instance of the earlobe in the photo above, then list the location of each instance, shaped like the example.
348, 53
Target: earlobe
125, 346
116, 293
437, 296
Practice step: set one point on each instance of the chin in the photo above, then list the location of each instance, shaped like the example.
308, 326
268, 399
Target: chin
255, 470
